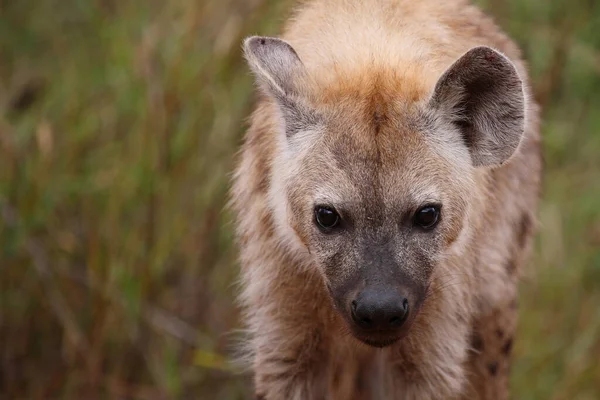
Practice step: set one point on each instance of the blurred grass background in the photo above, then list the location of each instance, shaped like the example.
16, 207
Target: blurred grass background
118, 125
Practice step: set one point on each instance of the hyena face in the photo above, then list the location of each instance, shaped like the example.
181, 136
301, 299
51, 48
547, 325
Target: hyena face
377, 215
375, 185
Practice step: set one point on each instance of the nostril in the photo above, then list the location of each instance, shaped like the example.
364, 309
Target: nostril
398, 318
360, 316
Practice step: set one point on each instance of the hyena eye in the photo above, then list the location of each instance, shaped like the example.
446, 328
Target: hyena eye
428, 216
326, 217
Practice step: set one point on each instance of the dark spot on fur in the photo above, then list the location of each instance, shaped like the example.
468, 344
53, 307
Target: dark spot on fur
337, 374
476, 342
262, 41
267, 223
499, 333
493, 368
379, 118
263, 169
263, 184
524, 230
510, 266
507, 348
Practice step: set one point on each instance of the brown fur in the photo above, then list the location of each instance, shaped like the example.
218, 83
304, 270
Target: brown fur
370, 66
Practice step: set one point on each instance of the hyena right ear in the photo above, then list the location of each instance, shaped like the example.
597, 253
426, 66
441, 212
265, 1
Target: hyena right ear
276, 65
280, 73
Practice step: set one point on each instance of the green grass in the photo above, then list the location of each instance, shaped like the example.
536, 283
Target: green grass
118, 126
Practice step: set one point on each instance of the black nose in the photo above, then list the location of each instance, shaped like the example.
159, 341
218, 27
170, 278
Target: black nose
379, 308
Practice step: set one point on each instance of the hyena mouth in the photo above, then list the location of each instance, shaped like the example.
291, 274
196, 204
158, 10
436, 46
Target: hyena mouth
379, 342
381, 337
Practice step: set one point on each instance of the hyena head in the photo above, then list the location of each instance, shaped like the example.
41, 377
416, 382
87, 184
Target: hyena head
372, 179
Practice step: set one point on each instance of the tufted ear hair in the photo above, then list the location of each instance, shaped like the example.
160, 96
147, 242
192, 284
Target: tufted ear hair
482, 94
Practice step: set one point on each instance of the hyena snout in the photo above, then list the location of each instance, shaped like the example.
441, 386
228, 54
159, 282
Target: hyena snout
376, 309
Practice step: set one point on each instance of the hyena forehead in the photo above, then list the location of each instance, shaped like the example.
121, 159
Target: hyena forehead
392, 174
479, 100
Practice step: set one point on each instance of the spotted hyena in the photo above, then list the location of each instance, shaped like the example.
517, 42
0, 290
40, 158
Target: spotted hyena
385, 201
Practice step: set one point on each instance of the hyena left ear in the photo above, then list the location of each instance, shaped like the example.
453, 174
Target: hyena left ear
482, 94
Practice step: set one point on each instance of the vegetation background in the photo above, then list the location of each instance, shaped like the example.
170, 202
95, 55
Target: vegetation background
118, 125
